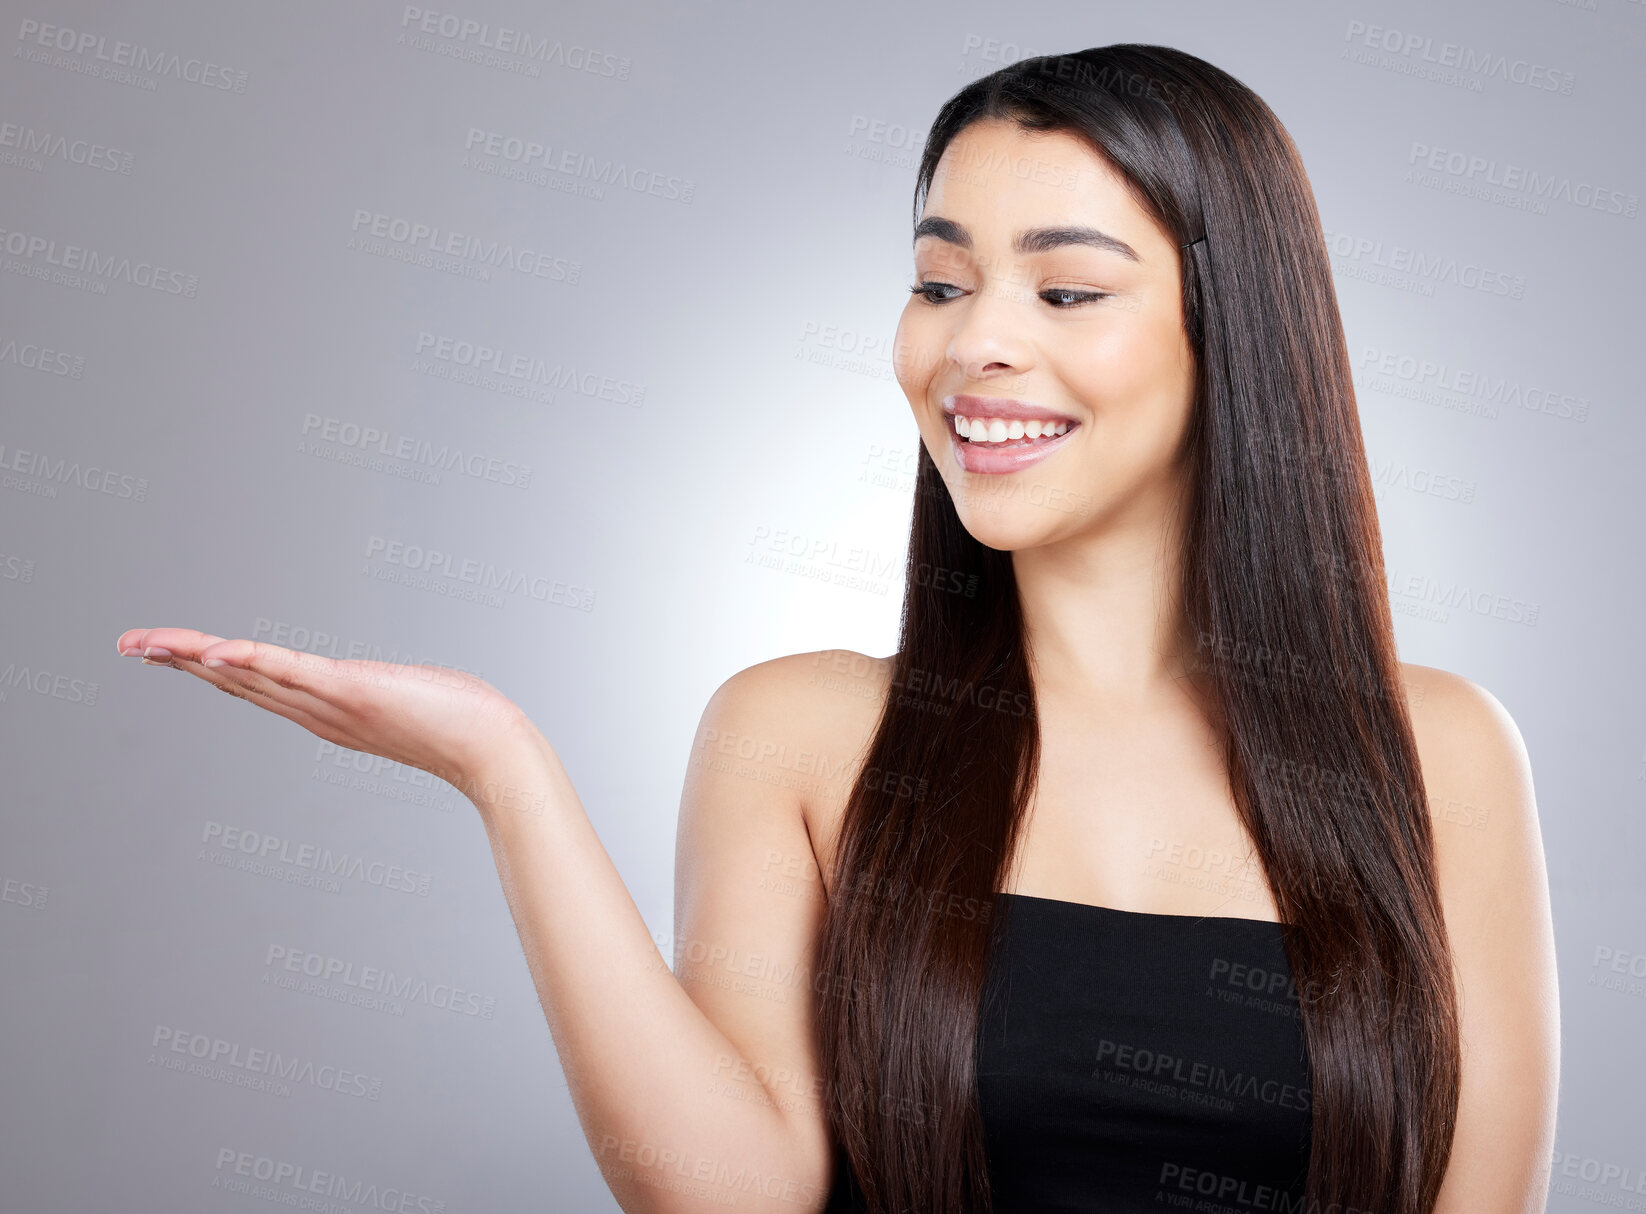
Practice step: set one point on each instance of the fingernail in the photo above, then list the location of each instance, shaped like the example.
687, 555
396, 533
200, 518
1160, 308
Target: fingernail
129, 650
214, 662
157, 651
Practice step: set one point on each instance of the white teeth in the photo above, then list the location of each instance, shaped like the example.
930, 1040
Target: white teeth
1003, 430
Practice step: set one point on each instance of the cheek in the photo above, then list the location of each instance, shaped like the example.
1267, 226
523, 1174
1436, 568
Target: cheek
914, 350
1126, 366
1104, 371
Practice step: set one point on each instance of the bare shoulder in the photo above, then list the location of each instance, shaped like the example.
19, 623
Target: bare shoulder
1477, 775
1475, 762
818, 690
1494, 891
810, 716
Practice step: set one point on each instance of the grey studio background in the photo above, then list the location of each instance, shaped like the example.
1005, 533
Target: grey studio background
267, 268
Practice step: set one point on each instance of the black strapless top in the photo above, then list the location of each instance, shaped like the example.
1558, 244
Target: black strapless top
1131, 1062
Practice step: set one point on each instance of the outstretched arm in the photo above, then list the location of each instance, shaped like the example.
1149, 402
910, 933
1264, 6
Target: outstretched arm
688, 1104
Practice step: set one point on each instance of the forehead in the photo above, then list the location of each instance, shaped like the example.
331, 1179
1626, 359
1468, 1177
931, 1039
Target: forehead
997, 178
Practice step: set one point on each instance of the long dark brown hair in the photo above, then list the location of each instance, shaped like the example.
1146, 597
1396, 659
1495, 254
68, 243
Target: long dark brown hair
1283, 590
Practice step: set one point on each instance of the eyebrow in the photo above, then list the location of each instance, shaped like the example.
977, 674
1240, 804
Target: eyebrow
1030, 240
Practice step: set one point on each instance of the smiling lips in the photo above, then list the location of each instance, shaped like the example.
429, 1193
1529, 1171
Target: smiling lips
993, 434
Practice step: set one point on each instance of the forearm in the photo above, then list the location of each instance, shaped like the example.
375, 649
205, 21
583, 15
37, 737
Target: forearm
657, 1087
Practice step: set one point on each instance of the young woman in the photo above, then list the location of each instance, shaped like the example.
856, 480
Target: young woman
1143, 874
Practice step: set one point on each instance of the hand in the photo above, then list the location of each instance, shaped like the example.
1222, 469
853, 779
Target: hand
446, 722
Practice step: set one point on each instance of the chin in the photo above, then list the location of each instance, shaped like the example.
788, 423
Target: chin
1015, 516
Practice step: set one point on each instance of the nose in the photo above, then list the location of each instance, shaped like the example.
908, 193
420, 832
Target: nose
987, 341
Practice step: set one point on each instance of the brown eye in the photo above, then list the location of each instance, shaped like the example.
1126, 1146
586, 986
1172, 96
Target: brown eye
1068, 297
925, 289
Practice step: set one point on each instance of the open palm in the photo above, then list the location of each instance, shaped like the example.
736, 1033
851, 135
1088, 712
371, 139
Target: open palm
441, 721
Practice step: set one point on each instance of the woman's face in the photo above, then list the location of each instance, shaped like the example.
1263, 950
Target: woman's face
1052, 296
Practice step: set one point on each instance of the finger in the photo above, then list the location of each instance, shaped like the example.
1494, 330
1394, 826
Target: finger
347, 684
303, 682
329, 725
131, 641
326, 681
334, 726
327, 731
184, 648
167, 641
